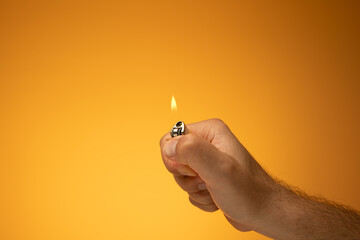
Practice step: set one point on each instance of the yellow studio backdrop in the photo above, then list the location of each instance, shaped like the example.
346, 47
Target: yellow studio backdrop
85, 91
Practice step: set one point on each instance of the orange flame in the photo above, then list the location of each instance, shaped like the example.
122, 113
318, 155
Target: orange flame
173, 104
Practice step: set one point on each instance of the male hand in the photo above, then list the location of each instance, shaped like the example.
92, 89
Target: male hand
217, 172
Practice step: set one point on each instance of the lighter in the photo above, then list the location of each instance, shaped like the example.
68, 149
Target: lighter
178, 129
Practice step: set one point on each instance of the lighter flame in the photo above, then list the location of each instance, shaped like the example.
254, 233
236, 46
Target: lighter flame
173, 104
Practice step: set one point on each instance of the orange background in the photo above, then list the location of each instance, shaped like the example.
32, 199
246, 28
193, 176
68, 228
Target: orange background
85, 90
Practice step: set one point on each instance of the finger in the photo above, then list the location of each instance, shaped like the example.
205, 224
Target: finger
205, 159
172, 166
207, 129
190, 184
176, 168
205, 207
202, 197
164, 139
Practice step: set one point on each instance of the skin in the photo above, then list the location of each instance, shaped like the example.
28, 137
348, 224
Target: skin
217, 172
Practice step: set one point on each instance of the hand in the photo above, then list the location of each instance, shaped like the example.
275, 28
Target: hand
217, 172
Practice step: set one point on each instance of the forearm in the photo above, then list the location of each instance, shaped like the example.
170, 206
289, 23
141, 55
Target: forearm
292, 215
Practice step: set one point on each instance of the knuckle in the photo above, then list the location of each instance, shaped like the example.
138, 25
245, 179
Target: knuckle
218, 122
219, 125
205, 207
194, 203
171, 166
189, 188
202, 197
188, 183
212, 208
185, 187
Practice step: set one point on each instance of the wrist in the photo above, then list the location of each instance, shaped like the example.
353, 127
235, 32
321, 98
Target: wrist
280, 210
272, 194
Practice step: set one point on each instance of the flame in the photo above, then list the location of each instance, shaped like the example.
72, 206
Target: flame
173, 104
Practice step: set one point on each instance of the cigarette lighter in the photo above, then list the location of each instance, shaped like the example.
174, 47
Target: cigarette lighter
178, 129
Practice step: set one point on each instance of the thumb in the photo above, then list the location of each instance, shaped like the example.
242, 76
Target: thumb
211, 164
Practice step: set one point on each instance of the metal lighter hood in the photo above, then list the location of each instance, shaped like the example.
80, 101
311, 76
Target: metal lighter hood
178, 129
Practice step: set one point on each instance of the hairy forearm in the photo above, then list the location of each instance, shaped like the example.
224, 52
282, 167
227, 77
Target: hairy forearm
293, 215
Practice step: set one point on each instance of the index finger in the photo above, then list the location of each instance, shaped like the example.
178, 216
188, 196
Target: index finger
206, 129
